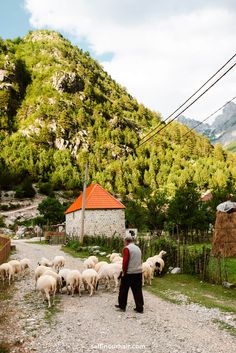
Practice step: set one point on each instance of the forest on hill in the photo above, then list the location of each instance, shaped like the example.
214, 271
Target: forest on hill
60, 109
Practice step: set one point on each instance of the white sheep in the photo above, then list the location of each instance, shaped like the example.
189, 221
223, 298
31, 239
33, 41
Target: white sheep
58, 263
93, 258
45, 262
39, 272
147, 273
25, 264
88, 263
63, 274
73, 281
90, 279
110, 272
152, 265
47, 285
113, 256
99, 265
6, 271
57, 278
158, 261
16, 266
117, 259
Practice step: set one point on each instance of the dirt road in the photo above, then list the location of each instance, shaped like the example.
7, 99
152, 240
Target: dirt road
91, 324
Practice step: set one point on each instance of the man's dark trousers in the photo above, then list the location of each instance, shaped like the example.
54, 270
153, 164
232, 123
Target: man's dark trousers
133, 281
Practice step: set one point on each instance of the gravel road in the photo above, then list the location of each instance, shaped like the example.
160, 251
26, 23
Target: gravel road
91, 324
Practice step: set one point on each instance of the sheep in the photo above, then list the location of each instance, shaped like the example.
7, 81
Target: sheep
74, 281
25, 264
39, 272
93, 258
88, 263
57, 278
158, 261
6, 271
90, 279
63, 274
47, 285
113, 256
147, 273
99, 265
110, 272
16, 266
58, 263
117, 259
45, 262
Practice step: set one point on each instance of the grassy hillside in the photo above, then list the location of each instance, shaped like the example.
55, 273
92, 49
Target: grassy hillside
59, 108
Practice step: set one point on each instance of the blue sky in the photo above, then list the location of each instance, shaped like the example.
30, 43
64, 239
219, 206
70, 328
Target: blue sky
161, 51
15, 22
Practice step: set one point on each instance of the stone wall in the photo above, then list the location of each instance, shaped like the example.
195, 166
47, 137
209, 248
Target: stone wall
97, 222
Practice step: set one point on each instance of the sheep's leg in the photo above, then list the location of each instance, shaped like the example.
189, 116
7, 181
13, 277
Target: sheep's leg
116, 283
72, 290
67, 289
48, 298
143, 279
91, 289
53, 296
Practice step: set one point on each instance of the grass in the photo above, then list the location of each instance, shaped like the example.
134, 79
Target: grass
6, 291
174, 288
81, 254
51, 312
225, 326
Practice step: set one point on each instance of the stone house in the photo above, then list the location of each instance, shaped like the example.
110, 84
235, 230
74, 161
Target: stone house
104, 214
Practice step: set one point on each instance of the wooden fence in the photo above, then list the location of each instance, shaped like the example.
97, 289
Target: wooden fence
55, 237
5, 248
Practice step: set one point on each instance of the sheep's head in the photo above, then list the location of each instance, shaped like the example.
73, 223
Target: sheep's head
162, 252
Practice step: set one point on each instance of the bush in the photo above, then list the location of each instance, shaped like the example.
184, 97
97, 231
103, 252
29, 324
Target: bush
2, 223
25, 189
46, 189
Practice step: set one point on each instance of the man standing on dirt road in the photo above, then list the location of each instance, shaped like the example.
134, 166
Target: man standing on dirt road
131, 275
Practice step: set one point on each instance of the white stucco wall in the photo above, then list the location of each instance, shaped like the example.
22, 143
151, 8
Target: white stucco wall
97, 222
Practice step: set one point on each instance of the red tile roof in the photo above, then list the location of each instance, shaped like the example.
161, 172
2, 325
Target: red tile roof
96, 198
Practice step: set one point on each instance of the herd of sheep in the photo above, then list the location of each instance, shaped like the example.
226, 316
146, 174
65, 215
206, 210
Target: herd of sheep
52, 276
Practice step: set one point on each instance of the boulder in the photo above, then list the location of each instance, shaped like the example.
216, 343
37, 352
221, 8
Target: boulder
176, 271
228, 285
67, 82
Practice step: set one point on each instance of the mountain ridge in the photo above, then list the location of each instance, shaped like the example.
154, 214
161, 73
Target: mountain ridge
222, 130
60, 109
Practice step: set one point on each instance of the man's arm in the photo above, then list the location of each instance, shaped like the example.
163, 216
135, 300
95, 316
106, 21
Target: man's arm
125, 260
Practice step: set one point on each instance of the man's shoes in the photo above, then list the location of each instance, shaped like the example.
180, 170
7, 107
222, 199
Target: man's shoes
119, 308
138, 311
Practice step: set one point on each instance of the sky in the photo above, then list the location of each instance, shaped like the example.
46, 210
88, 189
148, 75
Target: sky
160, 50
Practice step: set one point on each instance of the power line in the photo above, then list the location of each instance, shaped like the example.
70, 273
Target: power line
196, 99
208, 117
190, 97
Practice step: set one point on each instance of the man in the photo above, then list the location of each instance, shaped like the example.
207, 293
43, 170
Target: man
131, 275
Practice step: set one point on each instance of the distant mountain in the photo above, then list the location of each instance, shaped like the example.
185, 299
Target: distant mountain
204, 129
223, 128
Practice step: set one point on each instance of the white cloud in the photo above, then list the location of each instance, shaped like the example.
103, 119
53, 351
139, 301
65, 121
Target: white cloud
161, 52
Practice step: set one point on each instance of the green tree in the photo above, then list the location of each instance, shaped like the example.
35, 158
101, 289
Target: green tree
52, 210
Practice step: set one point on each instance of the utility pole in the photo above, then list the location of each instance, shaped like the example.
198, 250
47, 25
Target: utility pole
83, 203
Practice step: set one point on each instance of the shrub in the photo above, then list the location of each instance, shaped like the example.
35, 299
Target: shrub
45, 189
25, 189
